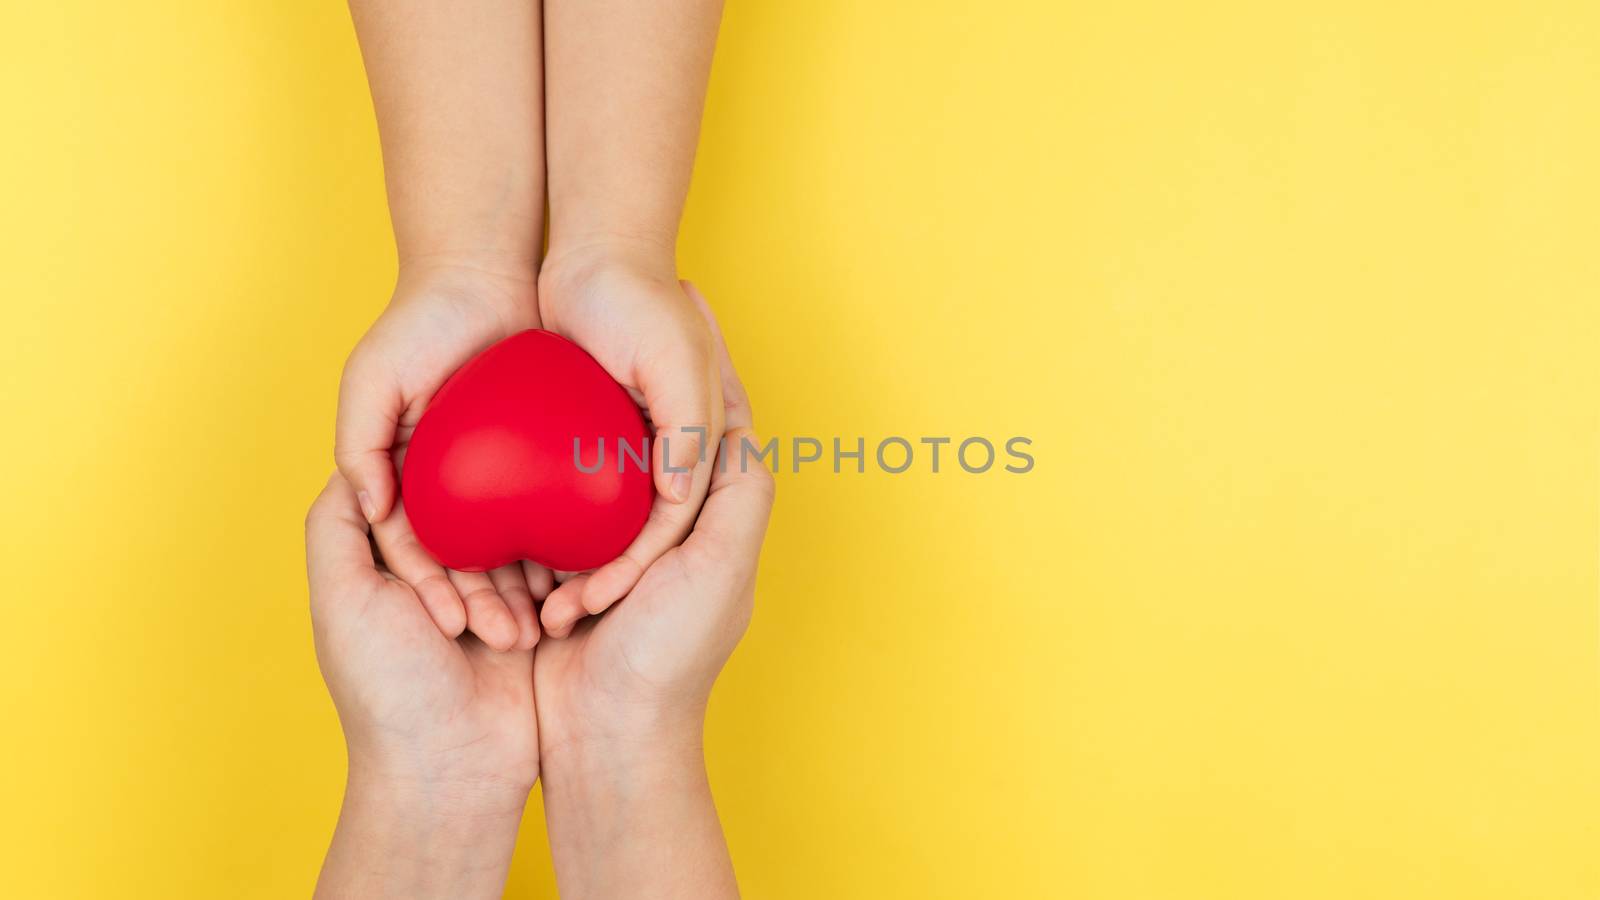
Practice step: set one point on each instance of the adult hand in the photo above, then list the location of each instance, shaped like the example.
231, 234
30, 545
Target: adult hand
441, 732
623, 304
442, 313
621, 701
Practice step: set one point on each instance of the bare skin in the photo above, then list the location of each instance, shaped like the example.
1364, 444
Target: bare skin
442, 738
462, 93
458, 91
622, 700
446, 737
441, 764
626, 80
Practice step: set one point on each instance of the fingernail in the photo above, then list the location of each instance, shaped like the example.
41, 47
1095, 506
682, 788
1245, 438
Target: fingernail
680, 486
367, 509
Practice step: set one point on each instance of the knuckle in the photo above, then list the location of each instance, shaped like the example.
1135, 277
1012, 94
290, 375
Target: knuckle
359, 358
691, 344
761, 481
764, 481
350, 379
319, 504
665, 517
435, 578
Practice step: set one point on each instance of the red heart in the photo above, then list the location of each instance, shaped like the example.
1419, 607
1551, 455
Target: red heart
491, 474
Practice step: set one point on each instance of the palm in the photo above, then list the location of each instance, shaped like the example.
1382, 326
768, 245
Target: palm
663, 645
439, 318
430, 330
404, 689
645, 330
667, 640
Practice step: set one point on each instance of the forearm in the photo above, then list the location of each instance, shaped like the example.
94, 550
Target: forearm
458, 93
627, 81
415, 842
635, 819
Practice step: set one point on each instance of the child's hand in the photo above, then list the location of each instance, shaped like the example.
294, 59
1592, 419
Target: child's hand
441, 315
442, 738
650, 663
621, 702
624, 305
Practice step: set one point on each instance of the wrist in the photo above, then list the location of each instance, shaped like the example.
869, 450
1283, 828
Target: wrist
576, 261
495, 281
642, 246
504, 238
421, 838
511, 268
643, 740
633, 816
439, 792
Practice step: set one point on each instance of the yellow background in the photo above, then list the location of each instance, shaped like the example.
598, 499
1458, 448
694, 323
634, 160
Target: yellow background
1297, 302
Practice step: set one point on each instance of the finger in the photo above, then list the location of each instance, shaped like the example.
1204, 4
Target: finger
733, 522
487, 616
735, 400
668, 525
512, 583
369, 413
337, 549
410, 563
541, 581
739, 470
563, 608
683, 396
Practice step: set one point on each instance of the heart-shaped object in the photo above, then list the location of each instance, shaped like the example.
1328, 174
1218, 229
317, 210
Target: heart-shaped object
496, 468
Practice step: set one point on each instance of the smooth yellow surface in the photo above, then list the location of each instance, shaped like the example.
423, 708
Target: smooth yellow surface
1300, 305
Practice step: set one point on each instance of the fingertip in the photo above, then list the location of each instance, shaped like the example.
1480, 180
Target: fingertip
373, 480
499, 632
487, 615
454, 614
541, 581
384, 491
563, 609
444, 605
527, 630
592, 600
548, 619
454, 624
558, 629
666, 483
681, 454
503, 639
512, 582
602, 590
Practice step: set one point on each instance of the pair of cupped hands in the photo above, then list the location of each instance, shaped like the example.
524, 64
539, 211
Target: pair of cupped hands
454, 687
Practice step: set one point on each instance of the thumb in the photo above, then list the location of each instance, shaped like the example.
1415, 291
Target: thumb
685, 401
337, 550
369, 412
733, 522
